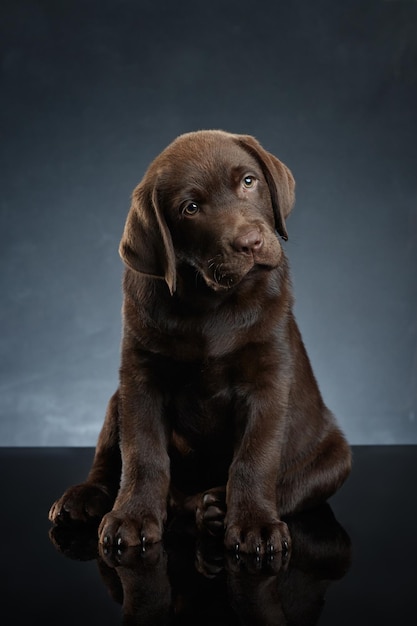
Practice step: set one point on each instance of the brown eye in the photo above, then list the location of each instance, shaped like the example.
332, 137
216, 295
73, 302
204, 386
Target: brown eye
249, 182
190, 209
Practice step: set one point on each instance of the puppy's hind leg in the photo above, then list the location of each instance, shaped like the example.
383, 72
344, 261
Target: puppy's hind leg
307, 484
207, 509
90, 500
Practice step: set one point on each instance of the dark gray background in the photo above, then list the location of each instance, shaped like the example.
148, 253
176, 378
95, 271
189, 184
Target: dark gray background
92, 90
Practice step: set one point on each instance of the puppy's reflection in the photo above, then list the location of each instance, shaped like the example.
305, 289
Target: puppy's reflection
193, 580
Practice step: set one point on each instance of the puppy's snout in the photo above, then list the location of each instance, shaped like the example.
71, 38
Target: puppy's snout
248, 243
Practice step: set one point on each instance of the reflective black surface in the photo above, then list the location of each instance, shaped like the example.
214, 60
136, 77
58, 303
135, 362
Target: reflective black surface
353, 561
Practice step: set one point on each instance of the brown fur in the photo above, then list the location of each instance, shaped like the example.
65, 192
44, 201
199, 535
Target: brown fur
218, 411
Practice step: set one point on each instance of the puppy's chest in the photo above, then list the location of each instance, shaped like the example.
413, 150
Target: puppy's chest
200, 400
207, 335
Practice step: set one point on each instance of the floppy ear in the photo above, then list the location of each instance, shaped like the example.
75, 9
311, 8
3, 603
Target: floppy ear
279, 179
146, 244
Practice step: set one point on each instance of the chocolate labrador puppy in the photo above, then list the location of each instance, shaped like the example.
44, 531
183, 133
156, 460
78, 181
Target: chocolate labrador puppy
217, 412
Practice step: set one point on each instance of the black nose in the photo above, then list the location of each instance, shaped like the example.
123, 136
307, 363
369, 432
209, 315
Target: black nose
249, 243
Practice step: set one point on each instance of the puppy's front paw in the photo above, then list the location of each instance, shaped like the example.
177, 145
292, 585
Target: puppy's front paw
260, 537
81, 503
122, 529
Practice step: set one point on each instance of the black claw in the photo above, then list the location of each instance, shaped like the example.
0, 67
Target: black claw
285, 546
237, 547
106, 540
258, 549
119, 542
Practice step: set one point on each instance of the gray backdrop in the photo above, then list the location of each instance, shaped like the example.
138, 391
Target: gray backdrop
92, 90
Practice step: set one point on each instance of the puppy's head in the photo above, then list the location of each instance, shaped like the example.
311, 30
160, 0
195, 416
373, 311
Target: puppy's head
213, 201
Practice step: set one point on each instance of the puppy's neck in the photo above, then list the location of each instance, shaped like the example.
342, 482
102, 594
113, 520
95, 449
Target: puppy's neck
193, 291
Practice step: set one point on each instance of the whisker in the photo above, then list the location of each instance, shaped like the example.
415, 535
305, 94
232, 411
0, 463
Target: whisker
196, 277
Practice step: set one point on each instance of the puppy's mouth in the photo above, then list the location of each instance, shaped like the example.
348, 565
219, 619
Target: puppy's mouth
222, 278
219, 276
224, 271
222, 283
